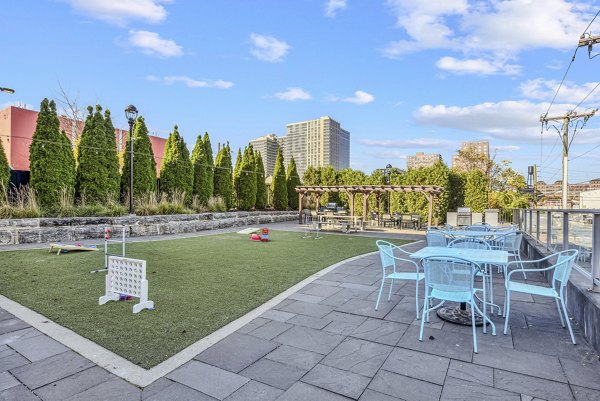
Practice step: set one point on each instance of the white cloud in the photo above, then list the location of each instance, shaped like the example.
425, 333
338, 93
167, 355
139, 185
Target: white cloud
119, 12
292, 94
333, 6
479, 66
506, 148
268, 48
569, 92
387, 155
152, 43
191, 83
360, 97
412, 143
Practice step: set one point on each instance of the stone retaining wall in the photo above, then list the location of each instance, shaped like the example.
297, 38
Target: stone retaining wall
27, 231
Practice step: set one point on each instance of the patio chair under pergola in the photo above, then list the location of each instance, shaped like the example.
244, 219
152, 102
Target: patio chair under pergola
431, 192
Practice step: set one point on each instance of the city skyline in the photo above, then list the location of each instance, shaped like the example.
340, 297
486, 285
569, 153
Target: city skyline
396, 88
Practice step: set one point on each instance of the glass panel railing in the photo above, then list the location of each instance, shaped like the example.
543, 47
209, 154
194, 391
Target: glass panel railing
534, 224
556, 239
580, 238
543, 227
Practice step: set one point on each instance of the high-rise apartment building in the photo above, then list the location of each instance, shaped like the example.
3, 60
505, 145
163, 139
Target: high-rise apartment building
480, 148
421, 159
318, 143
268, 146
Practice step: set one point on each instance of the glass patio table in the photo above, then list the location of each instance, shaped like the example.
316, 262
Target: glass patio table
461, 315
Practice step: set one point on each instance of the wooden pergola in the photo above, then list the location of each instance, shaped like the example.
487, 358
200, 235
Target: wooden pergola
431, 192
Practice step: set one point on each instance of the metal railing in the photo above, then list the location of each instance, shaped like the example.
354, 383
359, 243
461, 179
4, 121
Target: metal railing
560, 229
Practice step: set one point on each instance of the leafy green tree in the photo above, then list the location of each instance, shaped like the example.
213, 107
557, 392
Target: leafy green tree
312, 176
247, 180
292, 181
144, 165
4, 170
261, 188
329, 177
176, 172
438, 174
98, 164
210, 172
456, 192
349, 176
223, 177
279, 185
476, 190
52, 165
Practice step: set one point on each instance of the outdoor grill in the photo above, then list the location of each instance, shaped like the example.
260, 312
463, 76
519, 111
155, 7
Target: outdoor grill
463, 216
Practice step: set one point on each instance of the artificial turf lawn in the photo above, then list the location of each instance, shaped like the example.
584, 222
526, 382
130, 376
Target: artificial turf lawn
197, 284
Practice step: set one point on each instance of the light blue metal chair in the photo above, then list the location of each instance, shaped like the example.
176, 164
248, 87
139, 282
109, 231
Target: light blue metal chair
436, 238
510, 242
388, 264
478, 227
451, 279
560, 276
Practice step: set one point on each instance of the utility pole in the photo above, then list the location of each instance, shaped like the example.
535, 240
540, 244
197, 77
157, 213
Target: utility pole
566, 119
589, 41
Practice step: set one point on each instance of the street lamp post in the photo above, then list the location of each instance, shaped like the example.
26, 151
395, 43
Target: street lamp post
131, 114
7, 90
387, 175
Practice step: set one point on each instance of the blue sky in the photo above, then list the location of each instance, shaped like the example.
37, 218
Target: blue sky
401, 75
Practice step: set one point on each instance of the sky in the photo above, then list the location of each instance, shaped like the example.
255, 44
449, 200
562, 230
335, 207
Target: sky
402, 76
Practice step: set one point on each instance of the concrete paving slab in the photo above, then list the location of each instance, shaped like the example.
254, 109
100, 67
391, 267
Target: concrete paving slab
303, 392
370, 395
254, 390
404, 387
62, 389
178, 392
297, 357
380, 331
270, 330
18, 393
582, 373
472, 373
338, 381
461, 390
49, 370
38, 347
585, 394
13, 336
438, 342
418, 365
207, 379
532, 386
7, 381
310, 339
11, 359
115, 389
273, 373
358, 356
8, 325
308, 309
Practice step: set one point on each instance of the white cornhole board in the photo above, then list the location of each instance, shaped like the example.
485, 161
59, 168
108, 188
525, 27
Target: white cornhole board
248, 230
127, 276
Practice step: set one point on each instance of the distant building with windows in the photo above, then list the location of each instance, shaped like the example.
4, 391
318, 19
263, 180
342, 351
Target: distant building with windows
268, 146
421, 159
319, 143
481, 148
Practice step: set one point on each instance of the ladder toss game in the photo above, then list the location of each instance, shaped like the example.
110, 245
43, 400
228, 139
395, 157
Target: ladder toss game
127, 277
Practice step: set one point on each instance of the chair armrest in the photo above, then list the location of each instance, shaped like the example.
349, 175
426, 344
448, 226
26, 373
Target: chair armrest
515, 262
528, 270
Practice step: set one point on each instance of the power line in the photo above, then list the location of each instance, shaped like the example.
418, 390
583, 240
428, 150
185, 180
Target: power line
585, 153
586, 96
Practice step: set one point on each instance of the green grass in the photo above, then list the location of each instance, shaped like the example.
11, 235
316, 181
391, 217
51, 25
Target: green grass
197, 284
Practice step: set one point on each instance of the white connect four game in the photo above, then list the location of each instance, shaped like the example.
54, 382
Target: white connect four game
127, 277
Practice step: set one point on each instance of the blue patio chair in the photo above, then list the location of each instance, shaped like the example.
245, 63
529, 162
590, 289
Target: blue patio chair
388, 264
561, 271
450, 279
510, 242
436, 238
478, 227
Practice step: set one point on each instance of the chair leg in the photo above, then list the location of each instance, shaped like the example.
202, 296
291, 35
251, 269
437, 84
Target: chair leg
562, 321
507, 307
391, 286
425, 313
473, 325
417, 297
484, 280
562, 301
521, 263
380, 291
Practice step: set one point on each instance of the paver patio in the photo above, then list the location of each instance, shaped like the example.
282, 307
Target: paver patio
327, 342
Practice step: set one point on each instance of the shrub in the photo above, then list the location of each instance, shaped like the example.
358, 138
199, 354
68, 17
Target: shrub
216, 204
176, 173
223, 176
261, 187
201, 190
279, 185
292, 181
21, 203
247, 180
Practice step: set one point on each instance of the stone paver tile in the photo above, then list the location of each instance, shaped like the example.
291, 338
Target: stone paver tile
548, 342
254, 324
461, 390
333, 276
527, 363
358, 356
308, 309
380, 331
532, 386
584, 374
346, 317
362, 281
366, 308
370, 395
305, 392
472, 373
499, 340
254, 390
320, 290
178, 392
40, 373
18, 393
277, 315
418, 365
310, 339
326, 282
404, 387
270, 330
215, 382
585, 394
405, 311
343, 323
444, 343
4, 315
8, 325
308, 321
115, 389
295, 357
7, 381
38, 348
10, 359
274, 373
314, 299
338, 381
75, 384
236, 352
18, 335
156, 387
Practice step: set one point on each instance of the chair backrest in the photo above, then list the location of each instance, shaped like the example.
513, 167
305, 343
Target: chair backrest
449, 275
469, 243
386, 254
436, 238
387, 216
563, 266
477, 227
449, 227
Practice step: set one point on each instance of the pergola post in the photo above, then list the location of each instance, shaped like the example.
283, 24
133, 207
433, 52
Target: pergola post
318, 196
436, 201
351, 196
365, 204
301, 197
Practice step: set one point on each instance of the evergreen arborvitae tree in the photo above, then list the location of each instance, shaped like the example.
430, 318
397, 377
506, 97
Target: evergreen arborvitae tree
223, 180
98, 165
176, 172
279, 185
4, 170
144, 165
200, 167
292, 181
247, 180
52, 165
261, 188
209, 185
236, 177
